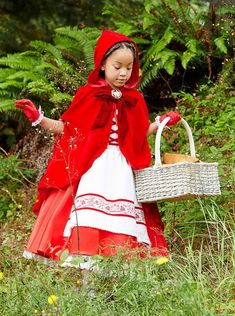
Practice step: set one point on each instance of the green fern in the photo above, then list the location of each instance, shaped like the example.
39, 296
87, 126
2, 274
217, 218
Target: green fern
25, 76
48, 73
163, 42
6, 105
220, 43
186, 57
166, 55
49, 50
85, 39
18, 61
149, 74
5, 94
126, 28
11, 83
5, 73
192, 45
179, 26
226, 9
169, 66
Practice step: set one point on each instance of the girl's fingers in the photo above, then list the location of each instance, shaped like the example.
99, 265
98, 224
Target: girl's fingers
19, 106
23, 106
22, 103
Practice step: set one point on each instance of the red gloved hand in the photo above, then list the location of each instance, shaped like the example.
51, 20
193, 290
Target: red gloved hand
29, 109
174, 118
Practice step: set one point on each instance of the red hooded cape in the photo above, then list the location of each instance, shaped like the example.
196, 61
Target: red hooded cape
88, 122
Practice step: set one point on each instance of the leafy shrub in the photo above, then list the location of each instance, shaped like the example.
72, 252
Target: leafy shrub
209, 113
181, 41
12, 177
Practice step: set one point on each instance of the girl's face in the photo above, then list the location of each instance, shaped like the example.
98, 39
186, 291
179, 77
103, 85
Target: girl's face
118, 67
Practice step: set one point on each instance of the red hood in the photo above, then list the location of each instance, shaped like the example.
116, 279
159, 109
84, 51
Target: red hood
105, 42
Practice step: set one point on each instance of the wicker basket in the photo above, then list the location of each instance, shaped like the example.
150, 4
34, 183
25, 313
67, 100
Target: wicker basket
178, 181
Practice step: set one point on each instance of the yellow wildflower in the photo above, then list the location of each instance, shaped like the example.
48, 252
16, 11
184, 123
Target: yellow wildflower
52, 299
162, 260
1, 276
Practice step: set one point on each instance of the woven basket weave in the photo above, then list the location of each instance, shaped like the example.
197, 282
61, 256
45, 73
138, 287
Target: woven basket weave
179, 181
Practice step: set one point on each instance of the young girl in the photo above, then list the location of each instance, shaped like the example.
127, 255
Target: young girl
86, 198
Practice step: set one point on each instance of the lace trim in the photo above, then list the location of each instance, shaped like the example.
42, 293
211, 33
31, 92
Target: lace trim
111, 207
40, 118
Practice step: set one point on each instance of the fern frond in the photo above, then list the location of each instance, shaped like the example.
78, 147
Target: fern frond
159, 44
69, 45
126, 28
48, 50
226, 9
25, 76
149, 76
31, 53
5, 73
169, 65
165, 55
85, 40
220, 44
186, 57
18, 61
192, 45
11, 83
164, 41
7, 105
48, 72
64, 42
44, 66
6, 94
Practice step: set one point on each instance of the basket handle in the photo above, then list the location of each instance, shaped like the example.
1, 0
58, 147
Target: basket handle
158, 140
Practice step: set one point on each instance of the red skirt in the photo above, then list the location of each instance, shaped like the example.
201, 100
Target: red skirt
47, 239
98, 217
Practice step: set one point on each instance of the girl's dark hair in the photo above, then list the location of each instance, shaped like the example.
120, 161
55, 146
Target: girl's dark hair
128, 45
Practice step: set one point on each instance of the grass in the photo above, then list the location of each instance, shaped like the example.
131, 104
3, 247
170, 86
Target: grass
197, 281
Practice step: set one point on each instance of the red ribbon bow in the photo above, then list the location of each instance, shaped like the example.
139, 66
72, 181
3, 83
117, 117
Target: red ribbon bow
126, 100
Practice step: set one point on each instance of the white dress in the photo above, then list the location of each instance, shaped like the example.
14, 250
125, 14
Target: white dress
106, 197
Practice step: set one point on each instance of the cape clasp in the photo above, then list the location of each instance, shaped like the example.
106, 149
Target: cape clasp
116, 94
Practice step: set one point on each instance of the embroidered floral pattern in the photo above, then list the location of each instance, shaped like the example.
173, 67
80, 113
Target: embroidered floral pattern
111, 207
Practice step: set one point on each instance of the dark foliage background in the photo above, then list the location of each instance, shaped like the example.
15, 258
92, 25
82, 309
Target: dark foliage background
187, 63
22, 21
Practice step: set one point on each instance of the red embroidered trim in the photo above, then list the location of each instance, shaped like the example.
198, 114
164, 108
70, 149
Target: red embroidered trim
98, 195
120, 207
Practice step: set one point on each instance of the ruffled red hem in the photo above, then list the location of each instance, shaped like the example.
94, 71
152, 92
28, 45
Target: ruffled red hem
92, 241
47, 236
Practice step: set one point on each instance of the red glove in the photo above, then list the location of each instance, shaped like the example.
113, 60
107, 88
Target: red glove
174, 118
29, 109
